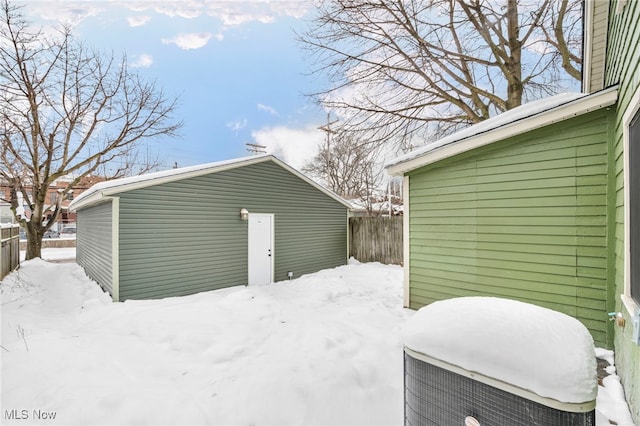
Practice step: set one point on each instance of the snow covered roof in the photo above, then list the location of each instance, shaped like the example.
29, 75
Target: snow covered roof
518, 344
105, 189
514, 122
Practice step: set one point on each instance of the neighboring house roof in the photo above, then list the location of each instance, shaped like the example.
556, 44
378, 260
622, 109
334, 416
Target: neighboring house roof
514, 122
113, 187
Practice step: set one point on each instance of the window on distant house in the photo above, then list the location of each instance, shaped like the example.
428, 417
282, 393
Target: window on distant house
634, 207
54, 197
70, 196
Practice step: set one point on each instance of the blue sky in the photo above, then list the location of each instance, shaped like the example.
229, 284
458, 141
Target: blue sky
240, 74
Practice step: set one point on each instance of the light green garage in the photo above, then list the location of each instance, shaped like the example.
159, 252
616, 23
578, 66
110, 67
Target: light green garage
253, 220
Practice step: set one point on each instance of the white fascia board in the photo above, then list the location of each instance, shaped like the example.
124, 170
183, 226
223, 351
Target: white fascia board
93, 198
587, 44
570, 110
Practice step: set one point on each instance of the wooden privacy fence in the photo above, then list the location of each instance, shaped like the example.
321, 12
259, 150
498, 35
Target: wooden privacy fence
376, 239
10, 249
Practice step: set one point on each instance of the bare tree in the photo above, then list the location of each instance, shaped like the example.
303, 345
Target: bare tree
66, 111
348, 167
561, 35
407, 69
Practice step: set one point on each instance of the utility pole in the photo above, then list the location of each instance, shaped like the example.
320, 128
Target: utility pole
327, 128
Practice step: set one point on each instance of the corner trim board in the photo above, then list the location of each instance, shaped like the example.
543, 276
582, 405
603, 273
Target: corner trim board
115, 248
405, 240
632, 108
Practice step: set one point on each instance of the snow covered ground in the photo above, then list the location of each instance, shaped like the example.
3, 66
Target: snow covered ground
55, 254
322, 349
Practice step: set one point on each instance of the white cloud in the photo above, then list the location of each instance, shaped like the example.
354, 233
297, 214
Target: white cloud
231, 13
138, 21
538, 45
295, 9
237, 125
264, 11
293, 146
230, 18
187, 9
142, 61
136, 6
191, 40
267, 109
65, 12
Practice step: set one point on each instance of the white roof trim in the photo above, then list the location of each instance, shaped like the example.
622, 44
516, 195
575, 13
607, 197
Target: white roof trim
587, 44
515, 122
100, 191
591, 29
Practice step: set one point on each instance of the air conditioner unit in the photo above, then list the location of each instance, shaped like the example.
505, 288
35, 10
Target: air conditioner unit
437, 393
482, 361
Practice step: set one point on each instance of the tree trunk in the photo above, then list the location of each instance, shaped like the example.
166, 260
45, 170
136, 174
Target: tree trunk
514, 61
34, 228
34, 240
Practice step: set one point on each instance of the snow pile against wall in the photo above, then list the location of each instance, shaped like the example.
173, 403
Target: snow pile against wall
612, 408
534, 348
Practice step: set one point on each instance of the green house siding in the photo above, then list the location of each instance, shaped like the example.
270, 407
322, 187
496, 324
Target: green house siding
524, 218
623, 68
187, 236
93, 243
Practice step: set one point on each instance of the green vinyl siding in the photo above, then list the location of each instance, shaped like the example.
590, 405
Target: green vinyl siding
525, 218
93, 243
623, 68
187, 236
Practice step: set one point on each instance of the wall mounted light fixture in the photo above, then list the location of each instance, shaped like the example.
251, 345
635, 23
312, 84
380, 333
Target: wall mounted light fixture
244, 214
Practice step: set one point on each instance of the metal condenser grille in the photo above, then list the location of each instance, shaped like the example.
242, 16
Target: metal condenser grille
436, 396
